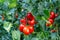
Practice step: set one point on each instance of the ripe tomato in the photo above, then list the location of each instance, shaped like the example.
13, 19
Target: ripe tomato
23, 21
51, 21
52, 16
31, 29
53, 30
56, 15
52, 13
32, 22
26, 31
48, 24
29, 16
21, 27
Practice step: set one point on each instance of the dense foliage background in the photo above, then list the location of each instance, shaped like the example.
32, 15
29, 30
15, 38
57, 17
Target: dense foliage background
11, 11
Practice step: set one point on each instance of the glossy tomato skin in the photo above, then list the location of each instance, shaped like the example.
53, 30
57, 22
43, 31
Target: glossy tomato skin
52, 13
31, 29
32, 22
26, 31
52, 16
29, 16
21, 27
51, 21
23, 21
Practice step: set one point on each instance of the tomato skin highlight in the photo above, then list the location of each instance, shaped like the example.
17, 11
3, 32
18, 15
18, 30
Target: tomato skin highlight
21, 27
52, 15
26, 31
31, 28
51, 21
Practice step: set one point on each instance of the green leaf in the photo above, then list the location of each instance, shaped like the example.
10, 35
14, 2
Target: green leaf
16, 35
26, 1
35, 38
42, 35
12, 5
1, 1
46, 13
38, 17
57, 20
42, 24
7, 26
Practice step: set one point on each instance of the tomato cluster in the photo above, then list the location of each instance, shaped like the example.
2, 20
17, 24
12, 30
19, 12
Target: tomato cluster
27, 24
51, 18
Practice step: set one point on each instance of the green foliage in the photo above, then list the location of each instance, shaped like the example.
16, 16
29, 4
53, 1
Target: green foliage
40, 10
1, 1
15, 35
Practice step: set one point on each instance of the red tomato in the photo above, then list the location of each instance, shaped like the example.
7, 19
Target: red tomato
51, 21
52, 13
31, 29
21, 27
53, 30
26, 31
56, 15
29, 16
23, 21
48, 24
52, 16
32, 22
